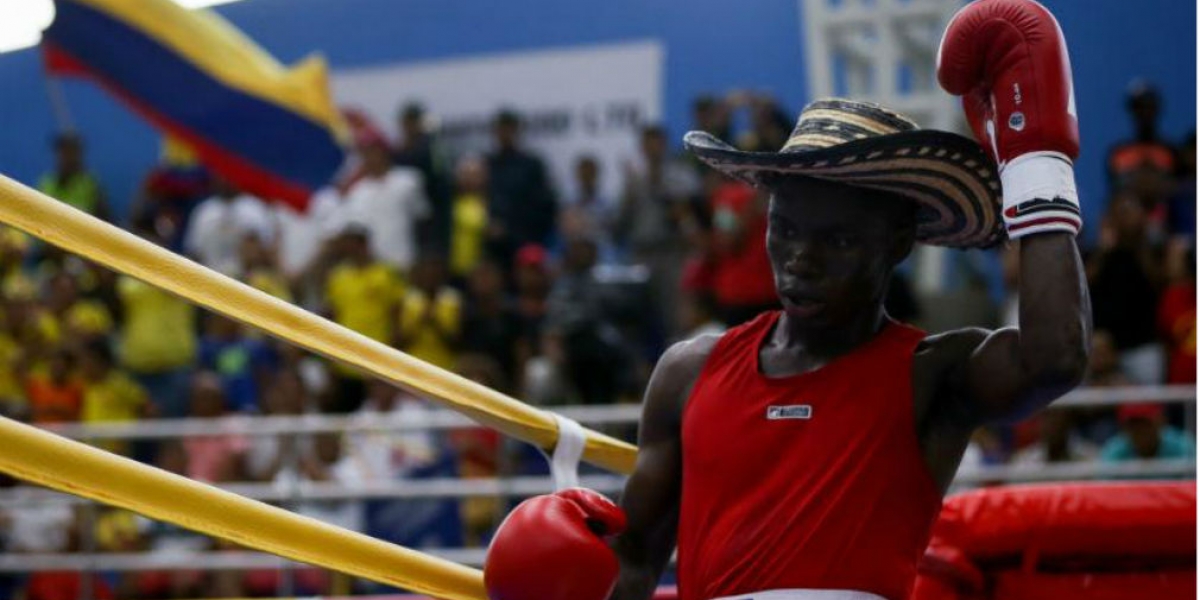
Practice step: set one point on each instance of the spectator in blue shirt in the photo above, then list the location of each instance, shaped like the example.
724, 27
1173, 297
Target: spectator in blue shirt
1144, 436
244, 364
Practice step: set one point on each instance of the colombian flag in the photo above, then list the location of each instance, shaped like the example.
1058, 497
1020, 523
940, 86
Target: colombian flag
272, 131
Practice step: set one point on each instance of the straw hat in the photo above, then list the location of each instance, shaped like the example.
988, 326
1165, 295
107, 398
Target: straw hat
951, 178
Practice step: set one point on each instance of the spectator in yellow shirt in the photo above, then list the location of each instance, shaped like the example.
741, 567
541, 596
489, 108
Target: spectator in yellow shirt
158, 340
31, 328
468, 218
361, 294
260, 268
14, 247
12, 394
430, 315
76, 317
109, 394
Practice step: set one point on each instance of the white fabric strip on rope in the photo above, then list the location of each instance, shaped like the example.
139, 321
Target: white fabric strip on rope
564, 461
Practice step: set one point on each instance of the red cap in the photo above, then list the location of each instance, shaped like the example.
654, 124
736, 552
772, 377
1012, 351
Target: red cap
531, 255
369, 137
1129, 412
364, 130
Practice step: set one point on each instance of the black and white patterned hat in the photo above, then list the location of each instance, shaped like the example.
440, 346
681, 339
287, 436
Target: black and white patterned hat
951, 178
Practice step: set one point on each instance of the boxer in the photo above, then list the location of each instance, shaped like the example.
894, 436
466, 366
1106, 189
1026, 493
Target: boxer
804, 455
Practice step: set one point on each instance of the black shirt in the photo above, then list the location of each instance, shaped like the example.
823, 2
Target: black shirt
1124, 300
493, 335
519, 196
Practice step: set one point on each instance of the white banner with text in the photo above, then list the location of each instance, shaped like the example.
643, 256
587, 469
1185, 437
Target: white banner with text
573, 101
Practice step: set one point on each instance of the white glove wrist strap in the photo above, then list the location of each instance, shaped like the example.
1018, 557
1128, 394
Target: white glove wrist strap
1039, 194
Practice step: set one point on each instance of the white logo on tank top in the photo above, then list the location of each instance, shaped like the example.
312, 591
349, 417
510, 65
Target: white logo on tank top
796, 411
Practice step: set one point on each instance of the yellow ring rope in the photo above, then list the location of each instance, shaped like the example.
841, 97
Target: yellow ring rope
75, 231
76, 468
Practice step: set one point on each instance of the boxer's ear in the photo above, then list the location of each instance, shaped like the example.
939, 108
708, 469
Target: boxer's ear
904, 230
902, 242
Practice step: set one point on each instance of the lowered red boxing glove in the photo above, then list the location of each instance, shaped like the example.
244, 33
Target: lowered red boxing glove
553, 548
1008, 60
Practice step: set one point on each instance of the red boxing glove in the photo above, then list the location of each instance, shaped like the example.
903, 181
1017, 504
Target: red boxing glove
1008, 60
553, 548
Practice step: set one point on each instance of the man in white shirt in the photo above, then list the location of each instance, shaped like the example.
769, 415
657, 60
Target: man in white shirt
391, 455
219, 224
389, 201
301, 234
37, 521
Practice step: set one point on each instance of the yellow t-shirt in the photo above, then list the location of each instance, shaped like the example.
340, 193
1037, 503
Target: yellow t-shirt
47, 326
468, 221
10, 386
16, 285
115, 398
15, 239
88, 317
117, 531
270, 282
31, 335
363, 298
160, 329
422, 341
38, 329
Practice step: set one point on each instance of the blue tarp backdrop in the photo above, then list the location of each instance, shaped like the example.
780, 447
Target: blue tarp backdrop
711, 45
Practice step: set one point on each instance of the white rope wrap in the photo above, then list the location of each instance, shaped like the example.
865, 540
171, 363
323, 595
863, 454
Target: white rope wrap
564, 462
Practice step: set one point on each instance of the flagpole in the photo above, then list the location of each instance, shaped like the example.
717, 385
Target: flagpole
58, 105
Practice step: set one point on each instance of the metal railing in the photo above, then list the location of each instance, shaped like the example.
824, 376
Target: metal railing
505, 487
441, 419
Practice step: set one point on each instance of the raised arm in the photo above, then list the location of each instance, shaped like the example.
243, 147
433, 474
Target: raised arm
1014, 372
651, 498
1008, 60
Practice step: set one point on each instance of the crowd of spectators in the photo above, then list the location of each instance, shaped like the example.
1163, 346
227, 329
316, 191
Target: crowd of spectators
549, 291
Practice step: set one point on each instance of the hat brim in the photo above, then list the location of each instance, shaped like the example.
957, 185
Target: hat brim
954, 183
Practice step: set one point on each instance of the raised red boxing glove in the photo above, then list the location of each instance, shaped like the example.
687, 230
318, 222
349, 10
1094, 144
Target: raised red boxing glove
1008, 60
554, 548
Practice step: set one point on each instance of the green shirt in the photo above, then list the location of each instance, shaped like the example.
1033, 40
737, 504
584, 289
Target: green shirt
80, 190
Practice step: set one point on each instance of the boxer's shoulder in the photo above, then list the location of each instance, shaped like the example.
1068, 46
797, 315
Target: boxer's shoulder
939, 367
692, 349
676, 372
682, 363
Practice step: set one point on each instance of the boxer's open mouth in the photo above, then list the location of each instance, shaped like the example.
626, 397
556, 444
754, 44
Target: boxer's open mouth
803, 306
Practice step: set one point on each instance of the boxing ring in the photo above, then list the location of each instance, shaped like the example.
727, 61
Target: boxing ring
75, 468
56, 462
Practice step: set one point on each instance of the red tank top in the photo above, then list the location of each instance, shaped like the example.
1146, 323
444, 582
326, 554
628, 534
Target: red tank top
810, 481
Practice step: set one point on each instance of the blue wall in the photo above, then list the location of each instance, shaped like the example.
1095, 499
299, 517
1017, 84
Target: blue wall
712, 45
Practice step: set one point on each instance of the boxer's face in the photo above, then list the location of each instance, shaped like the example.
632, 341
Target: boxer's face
832, 249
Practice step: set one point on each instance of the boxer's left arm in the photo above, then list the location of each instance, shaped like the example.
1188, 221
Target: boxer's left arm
1012, 372
1008, 60
652, 494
